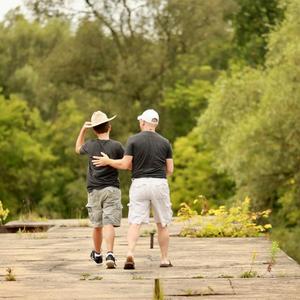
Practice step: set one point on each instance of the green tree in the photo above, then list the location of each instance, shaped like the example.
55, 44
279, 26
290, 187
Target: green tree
23, 155
25, 55
252, 23
195, 173
184, 104
132, 54
64, 180
252, 124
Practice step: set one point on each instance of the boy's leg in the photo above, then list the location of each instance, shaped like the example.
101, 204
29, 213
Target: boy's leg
109, 237
112, 214
96, 255
95, 215
97, 239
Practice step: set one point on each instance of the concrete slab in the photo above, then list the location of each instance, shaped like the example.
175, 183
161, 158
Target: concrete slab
56, 265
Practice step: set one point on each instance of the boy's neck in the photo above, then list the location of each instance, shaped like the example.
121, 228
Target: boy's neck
103, 136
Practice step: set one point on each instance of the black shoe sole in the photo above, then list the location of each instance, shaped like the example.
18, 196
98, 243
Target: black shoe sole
98, 263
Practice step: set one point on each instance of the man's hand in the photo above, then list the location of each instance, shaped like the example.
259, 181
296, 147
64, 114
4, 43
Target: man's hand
122, 164
101, 161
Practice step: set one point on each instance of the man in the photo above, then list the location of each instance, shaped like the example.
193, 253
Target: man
150, 156
104, 196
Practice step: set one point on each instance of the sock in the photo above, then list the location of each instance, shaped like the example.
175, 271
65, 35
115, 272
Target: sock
97, 254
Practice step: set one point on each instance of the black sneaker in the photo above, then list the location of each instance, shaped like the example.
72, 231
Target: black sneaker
98, 259
110, 261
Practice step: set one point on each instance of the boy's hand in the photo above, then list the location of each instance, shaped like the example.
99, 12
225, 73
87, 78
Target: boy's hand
87, 124
101, 161
80, 138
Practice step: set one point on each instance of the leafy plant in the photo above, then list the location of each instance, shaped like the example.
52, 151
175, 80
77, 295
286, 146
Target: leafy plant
237, 221
32, 217
225, 276
158, 293
87, 276
137, 277
96, 278
37, 235
10, 276
3, 213
273, 252
250, 273
186, 212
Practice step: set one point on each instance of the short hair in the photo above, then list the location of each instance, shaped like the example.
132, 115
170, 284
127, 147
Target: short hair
102, 128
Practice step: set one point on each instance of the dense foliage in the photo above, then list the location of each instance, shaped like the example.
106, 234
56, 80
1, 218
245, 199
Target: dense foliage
236, 221
254, 115
57, 69
224, 76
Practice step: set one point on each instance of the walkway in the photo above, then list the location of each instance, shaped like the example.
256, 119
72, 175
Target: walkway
56, 265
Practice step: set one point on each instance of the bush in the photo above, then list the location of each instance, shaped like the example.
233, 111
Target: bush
3, 213
237, 221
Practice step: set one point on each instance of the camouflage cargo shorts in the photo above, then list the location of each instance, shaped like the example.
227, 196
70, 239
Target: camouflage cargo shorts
104, 207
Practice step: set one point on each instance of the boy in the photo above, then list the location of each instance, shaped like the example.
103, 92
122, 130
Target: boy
104, 196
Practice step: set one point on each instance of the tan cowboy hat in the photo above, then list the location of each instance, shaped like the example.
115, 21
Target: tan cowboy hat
98, 118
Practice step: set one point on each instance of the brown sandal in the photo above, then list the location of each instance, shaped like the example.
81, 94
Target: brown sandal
166, 265
129, 263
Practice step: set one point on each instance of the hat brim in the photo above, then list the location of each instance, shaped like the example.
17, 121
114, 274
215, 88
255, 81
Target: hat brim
102, 122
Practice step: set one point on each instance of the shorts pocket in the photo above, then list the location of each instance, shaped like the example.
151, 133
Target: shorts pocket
90, 210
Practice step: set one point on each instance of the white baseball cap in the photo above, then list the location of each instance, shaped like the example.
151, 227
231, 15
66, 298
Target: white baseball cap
150, 116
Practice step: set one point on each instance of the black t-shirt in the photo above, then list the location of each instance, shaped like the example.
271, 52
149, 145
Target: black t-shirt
101, 177
150, 151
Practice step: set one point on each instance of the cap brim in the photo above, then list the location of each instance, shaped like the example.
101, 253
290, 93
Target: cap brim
140, 118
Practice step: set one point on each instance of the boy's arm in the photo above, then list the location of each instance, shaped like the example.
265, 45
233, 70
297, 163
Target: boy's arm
123, 164
80, 138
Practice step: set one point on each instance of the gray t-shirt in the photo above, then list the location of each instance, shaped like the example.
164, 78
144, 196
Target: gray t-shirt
101, 177
150, 151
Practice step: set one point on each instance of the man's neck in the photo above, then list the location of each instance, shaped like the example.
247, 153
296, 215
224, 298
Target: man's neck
103, 136
148, 129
